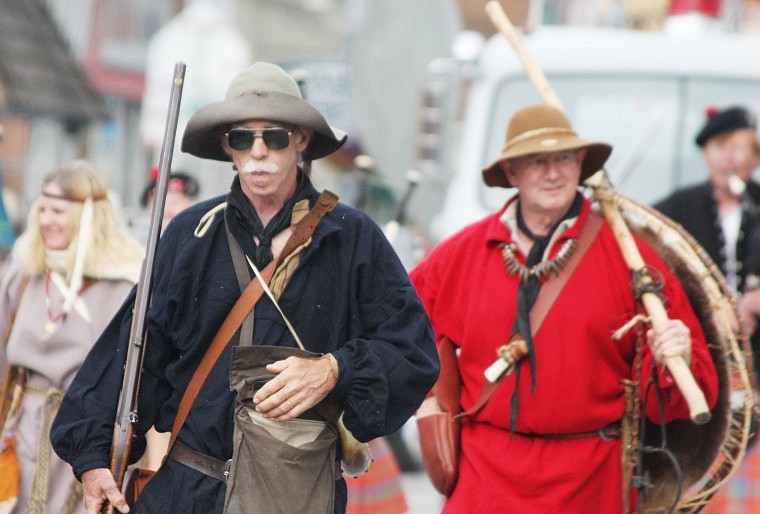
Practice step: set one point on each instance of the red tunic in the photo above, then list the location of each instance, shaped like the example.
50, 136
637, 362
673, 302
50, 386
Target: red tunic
471, 299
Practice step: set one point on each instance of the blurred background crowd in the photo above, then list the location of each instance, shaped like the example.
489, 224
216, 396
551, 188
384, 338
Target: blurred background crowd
90, 79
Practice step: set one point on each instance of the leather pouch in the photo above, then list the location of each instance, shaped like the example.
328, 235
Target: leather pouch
438, 425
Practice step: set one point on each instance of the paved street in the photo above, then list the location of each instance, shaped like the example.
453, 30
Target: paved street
421, 497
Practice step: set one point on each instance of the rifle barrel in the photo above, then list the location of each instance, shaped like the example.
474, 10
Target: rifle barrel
126, 414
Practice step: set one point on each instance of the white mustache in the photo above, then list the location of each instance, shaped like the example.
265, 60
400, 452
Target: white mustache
260, 167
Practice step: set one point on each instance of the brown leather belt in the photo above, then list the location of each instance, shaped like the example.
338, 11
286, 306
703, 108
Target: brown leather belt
607, 433
211, 466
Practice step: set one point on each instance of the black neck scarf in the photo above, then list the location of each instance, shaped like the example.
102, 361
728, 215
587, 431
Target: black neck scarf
527, 292
247, 217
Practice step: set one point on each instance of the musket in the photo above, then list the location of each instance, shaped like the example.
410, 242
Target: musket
126, 414
695, 398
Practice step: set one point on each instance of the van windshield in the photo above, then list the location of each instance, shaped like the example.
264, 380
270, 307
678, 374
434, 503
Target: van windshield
650, 121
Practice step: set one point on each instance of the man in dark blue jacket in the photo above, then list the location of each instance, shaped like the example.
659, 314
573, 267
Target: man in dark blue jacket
345, 293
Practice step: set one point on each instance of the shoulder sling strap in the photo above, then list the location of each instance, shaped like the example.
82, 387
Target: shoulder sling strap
241, 271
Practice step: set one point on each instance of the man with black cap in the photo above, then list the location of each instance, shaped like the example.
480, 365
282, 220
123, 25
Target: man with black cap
340, 294
718, 211
547, 439
723, 213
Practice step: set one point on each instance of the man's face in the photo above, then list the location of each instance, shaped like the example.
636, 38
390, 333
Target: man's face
547, 182
729, 154
267, 171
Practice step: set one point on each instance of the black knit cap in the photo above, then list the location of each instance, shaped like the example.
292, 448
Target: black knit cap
725, 121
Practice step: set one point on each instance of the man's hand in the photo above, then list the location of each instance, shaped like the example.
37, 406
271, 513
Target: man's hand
672, 339
100, 486
299, 385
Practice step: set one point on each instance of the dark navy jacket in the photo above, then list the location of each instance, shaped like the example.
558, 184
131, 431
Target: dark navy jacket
350, 296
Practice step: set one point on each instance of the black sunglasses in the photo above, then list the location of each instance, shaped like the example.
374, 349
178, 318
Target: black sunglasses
276, 138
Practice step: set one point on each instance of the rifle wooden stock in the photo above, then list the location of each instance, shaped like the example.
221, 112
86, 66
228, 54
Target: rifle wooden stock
699, 411
126, 414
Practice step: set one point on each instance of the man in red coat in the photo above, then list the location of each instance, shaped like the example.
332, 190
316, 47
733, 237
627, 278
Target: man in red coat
548, 439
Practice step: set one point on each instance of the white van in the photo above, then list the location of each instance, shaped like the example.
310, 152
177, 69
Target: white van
645, 93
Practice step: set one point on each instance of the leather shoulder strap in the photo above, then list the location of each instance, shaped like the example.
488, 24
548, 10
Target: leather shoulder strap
551, 288
447, 388
301, 233
308, 224
241, 271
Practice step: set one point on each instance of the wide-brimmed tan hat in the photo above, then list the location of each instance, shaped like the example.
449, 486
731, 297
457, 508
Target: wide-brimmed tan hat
263, 91
538, 129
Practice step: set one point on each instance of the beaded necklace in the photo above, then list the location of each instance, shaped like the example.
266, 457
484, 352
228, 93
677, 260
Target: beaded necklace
541, 269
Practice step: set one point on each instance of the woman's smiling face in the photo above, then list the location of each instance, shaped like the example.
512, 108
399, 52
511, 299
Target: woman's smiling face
55, 218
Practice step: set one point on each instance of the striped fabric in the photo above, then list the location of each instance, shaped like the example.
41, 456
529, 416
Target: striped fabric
741, 494
378, 491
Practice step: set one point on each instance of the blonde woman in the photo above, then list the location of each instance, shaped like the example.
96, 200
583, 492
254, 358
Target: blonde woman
71, 270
